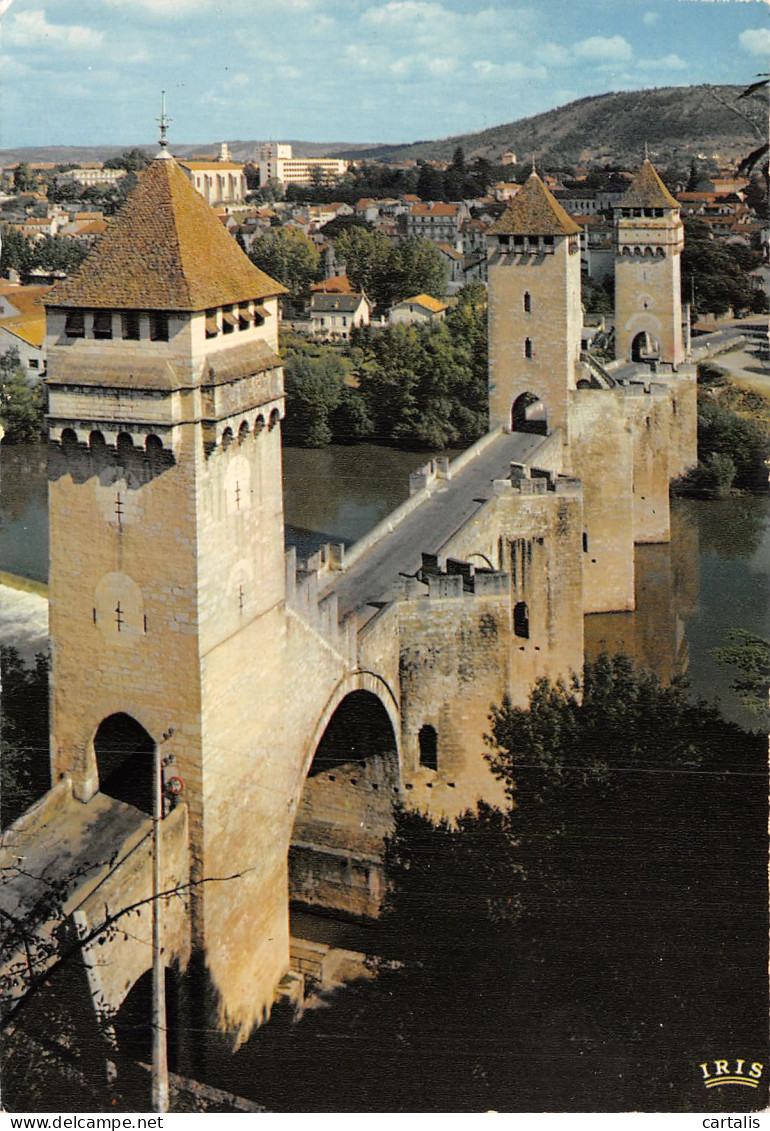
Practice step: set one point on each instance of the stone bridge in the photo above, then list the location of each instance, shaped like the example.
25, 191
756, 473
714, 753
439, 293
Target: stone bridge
289, 705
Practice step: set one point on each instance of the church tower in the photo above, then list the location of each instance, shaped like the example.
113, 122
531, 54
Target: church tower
166, 544
649, 238
535, 317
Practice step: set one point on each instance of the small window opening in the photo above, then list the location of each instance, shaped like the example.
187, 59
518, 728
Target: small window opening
428, 740
130, 326
521, 620
528, 347
75, 324
527, 302
585, 542
102, 324
158, 326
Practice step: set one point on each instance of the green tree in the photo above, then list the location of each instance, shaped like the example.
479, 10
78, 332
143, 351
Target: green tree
724, 433
132, 160
22, 406
416, 267
288, 256
367, 258
17, 251
24, 180
720, 281
314, 389
24, 736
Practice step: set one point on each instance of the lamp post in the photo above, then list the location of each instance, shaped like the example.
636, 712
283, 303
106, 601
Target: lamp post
159, 1049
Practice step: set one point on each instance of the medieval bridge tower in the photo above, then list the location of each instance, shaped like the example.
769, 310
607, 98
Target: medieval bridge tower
649, 238
626, 429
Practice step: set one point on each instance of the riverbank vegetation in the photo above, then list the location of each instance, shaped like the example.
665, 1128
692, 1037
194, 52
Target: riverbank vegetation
733, 438
579, 950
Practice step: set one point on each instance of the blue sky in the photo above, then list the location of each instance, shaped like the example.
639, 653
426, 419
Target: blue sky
90, 72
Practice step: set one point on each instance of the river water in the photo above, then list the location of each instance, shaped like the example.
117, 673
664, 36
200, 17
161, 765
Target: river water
714, 576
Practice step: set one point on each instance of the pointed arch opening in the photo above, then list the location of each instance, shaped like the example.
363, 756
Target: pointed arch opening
645, 347
346, 811
125, 761
529, 414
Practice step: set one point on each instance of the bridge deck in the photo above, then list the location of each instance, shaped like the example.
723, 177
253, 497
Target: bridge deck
370, 579
57, 861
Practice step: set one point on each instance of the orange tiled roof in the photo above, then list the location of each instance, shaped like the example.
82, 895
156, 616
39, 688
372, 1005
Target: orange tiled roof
433, 304
335, 284
435, 208
210, 164
647, 191
534, 211
165, 250
29, 323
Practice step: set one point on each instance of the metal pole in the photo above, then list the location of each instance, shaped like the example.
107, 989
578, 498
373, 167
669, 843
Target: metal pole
159, 1052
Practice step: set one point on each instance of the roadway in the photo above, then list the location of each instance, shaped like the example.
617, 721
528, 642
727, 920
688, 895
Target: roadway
54, 860
449, 505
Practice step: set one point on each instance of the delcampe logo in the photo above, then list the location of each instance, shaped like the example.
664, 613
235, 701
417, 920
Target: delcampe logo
723, 1074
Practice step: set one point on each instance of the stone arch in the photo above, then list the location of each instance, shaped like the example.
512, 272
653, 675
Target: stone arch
259, 424
275, 418
529, 414
227, 438
357, 681
645, 347
346, 809
125, 444
243, 431
125, 760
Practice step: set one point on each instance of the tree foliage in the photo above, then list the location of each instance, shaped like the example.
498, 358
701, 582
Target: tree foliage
721, 281
288, 256
24, 767
389, 272
22, 405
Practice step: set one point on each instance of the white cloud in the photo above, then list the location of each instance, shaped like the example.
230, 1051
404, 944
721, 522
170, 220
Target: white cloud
604, 49
650, 18
32, 29
672, 62
509, 70
405, 12
170, 9
553, 55
756, 41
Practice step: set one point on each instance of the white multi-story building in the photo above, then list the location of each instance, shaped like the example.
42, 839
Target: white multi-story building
276, 162
219, 180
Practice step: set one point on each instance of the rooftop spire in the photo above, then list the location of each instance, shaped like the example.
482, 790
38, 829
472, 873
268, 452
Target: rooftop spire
164, 121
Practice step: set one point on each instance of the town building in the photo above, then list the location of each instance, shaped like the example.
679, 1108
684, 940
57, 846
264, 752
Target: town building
276, 162
22, 326
220, 181
421, 309
333, 315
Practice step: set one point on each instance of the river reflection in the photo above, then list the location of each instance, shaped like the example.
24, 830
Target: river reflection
713, 576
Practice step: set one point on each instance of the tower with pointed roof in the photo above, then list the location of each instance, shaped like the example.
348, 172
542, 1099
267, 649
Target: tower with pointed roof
535, 317
166, 528
649, 238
